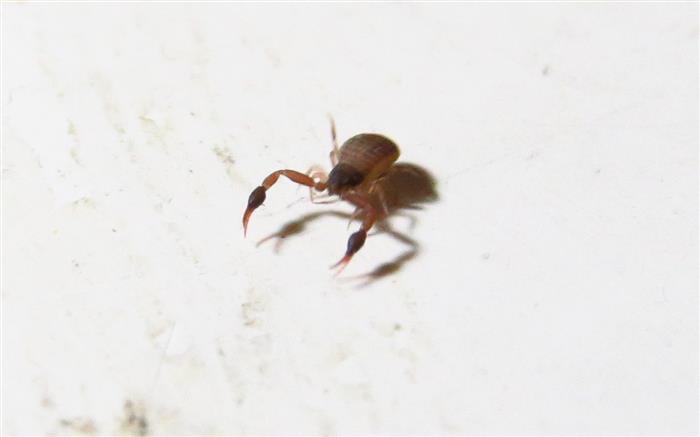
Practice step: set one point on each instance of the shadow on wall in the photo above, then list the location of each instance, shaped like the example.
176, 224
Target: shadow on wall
405, 187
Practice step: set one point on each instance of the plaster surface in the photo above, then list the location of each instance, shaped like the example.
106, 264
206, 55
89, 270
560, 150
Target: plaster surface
553, 284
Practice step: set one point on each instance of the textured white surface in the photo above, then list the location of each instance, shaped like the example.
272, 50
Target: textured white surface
555, 290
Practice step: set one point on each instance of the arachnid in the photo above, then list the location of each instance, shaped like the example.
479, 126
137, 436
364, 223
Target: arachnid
357, 166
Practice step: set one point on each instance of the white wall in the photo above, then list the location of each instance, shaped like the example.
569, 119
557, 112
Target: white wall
555, 287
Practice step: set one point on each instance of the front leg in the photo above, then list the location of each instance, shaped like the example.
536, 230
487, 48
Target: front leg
357, 240
257, 197
319, 175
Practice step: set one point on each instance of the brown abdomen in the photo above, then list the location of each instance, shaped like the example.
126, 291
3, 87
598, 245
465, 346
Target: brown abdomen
370, 154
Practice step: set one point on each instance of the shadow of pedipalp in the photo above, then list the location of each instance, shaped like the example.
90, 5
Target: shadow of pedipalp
297, 226
393, 266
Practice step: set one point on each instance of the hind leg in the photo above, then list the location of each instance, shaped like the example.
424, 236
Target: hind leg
335, 153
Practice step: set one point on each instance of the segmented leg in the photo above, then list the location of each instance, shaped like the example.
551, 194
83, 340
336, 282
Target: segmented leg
319, 175
335, 153
357, 240
377, 188
257, 197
